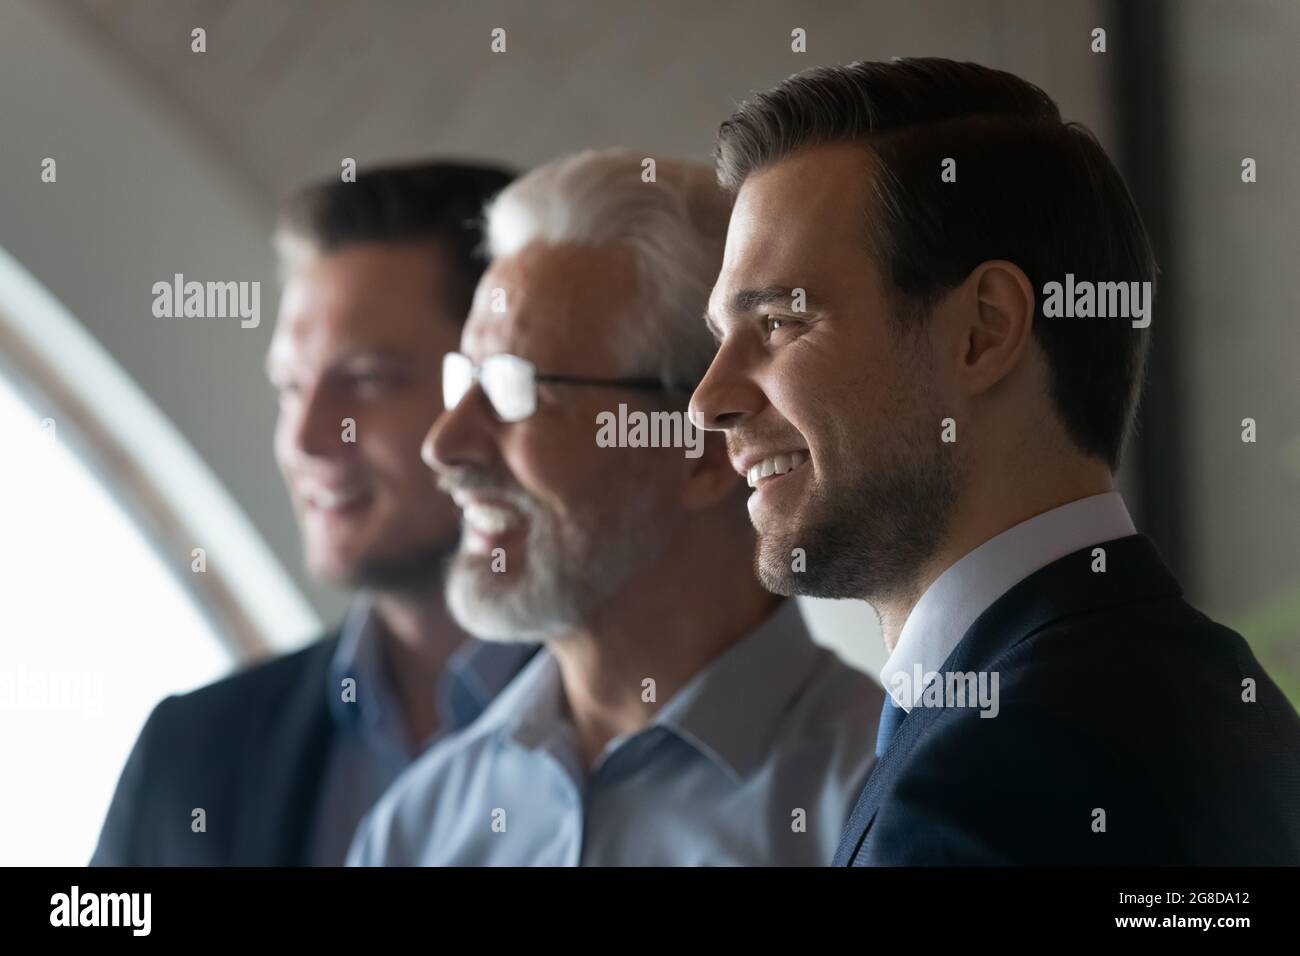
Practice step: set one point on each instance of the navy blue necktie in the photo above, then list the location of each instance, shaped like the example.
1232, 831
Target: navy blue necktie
891, 715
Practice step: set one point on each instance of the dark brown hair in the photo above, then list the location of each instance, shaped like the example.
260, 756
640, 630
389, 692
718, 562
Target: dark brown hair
1030, 189
438, 202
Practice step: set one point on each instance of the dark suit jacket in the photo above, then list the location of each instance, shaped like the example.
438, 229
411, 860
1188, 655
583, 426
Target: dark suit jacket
250, 750
1115, 695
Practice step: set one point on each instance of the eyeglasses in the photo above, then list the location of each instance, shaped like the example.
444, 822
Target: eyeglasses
510, 383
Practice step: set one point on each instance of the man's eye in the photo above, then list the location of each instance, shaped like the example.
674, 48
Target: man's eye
772, 323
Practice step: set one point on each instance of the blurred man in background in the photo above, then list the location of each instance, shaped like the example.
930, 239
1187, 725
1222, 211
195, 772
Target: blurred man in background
284, 758
1053, 699
679, 714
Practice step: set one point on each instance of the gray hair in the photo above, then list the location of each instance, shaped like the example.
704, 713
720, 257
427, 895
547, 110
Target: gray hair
676, 227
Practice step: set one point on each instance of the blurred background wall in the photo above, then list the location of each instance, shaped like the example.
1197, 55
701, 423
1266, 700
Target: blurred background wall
1234, 73
171, 161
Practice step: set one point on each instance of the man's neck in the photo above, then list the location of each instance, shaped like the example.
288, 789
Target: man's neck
984, 511
663, 631
417, 636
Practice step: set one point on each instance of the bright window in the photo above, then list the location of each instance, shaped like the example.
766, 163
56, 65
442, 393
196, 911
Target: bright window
96, 630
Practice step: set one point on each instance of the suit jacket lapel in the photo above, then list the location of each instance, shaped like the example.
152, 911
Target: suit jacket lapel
1064, 588
282, 788
895, 756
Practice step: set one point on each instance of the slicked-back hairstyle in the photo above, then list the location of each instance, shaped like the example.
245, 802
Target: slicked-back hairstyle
1030, 189
440, 203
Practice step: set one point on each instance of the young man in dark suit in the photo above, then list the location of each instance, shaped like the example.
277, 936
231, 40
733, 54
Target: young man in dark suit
277, 764
1052, 699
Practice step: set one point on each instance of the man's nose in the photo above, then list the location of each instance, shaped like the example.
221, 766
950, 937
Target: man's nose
727, 395
318, 425
463, 435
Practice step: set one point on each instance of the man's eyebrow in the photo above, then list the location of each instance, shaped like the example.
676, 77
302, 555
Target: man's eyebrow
747, 300
379, 354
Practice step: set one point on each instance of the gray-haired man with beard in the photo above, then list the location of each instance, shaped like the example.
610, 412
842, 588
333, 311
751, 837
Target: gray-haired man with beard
679, 714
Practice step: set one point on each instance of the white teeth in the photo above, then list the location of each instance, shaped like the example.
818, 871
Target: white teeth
776, 465
489, 519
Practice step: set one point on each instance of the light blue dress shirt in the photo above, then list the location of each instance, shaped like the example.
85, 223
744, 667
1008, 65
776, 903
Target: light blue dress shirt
370, 748
757, 760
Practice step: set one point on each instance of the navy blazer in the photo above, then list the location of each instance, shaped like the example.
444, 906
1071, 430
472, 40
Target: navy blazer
1125, 735
250, 750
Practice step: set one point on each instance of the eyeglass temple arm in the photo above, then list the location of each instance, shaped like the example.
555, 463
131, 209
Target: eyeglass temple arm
650, 384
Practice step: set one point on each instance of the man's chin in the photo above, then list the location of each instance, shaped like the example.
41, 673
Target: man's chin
415, 573
813, 569
503, 605
776, 566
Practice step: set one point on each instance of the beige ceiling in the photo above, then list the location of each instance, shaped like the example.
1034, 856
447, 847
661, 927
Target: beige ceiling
287, 88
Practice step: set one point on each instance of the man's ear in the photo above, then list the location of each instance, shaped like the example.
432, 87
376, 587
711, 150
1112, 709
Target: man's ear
709, 476
997, 325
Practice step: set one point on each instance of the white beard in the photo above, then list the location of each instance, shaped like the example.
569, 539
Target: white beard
567, 573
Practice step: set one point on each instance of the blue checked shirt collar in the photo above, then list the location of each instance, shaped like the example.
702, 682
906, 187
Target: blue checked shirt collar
728, 712
474, 674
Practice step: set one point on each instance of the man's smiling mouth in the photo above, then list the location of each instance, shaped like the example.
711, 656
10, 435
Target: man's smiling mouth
774, 466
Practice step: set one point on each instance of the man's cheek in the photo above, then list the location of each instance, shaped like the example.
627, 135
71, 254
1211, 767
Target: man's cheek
539, 460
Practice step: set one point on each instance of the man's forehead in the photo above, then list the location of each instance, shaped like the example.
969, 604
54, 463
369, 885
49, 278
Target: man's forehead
376, 270
823, 191
551, 303
370, 284
317, 324
793, 225
764, 269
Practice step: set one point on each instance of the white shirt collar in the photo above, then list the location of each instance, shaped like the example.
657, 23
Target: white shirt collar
968, 588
